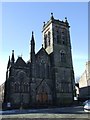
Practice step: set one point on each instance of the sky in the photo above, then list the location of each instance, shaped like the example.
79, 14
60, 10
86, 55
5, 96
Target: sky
19, 19
88, 31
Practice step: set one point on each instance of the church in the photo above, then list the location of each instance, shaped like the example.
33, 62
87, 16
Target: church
47, 78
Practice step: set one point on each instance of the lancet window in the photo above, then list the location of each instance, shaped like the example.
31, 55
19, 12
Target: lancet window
63, 56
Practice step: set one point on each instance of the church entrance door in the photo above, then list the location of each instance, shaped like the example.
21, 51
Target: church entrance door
42, 98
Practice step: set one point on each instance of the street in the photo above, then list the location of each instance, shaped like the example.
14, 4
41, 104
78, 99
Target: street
64, 112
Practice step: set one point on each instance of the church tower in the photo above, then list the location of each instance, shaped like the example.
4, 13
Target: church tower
56, 41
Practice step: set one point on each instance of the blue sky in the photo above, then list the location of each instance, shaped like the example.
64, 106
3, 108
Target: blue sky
20, 19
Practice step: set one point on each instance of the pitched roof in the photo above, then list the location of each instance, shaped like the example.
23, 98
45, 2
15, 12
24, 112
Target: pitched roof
20, 62
41, 51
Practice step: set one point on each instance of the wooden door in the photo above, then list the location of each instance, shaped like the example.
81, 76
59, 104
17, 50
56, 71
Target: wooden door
42, 98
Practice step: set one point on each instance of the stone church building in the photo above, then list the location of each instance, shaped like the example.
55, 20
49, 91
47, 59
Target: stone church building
47, 79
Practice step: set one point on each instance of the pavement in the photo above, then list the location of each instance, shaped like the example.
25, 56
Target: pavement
63, 112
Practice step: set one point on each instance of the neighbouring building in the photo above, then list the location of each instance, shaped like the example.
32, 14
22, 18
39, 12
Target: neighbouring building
84, 83
1, 92
1, 95
48, 77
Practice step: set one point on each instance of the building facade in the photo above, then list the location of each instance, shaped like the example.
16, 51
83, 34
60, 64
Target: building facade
84, 83
1, 93
85, 77
48, 77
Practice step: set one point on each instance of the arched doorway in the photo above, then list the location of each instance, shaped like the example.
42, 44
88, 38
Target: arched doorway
43, 96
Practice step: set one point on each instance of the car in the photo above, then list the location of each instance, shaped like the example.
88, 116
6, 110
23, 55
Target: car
84, 103
87, 106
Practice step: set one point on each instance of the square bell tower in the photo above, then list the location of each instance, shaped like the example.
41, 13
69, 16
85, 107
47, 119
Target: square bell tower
56, 41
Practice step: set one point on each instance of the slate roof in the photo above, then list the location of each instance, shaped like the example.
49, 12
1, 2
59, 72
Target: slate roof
20, 62
41, 51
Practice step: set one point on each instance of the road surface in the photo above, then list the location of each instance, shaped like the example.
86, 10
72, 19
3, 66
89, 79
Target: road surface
64, 112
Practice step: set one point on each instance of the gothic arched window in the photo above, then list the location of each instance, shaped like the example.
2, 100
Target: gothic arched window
64, 37
37, 70
63, 56
57, 37
49, 38
17, 87
63, 40
26, 87
45, 40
